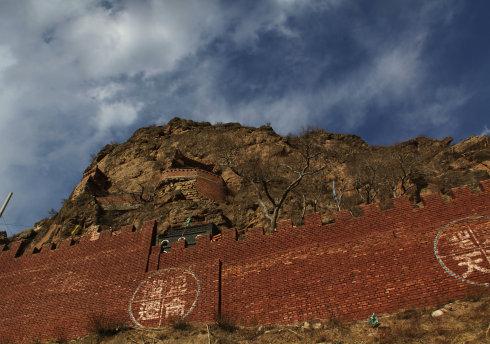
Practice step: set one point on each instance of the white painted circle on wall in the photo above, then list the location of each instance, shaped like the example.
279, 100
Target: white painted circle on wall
163, 296
462, 248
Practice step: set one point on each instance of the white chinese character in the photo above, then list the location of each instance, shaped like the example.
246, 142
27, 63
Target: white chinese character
471, 262
176, 307
463, 240
153, 290
178, 287
150, 310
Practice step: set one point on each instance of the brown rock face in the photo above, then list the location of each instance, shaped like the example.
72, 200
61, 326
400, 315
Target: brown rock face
179, 171
95, 183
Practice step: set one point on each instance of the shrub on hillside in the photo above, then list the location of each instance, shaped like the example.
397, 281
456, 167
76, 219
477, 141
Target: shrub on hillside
105, 327
180, 324
226, 324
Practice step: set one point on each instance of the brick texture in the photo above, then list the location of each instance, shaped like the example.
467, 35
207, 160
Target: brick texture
205, 183
378, 262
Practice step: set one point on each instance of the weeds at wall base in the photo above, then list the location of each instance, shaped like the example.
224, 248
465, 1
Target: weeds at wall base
408, 314
181, 325
105, 327
226, 324
463, 323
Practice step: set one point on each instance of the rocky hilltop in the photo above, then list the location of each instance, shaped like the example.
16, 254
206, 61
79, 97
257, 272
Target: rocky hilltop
236, 176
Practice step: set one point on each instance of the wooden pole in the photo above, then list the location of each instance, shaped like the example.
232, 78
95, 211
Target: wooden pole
7, 200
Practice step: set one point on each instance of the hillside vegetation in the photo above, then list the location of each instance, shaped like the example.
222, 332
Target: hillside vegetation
260, 169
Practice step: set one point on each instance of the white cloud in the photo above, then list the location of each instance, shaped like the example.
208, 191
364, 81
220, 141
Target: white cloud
6, 59
72, 73
105, 91
485, 131
149, 37
60, 98
437, 111
43, 14
395, 71
272, 16
119, 114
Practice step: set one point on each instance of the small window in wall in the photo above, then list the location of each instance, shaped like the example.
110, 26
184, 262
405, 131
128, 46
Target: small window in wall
164, 245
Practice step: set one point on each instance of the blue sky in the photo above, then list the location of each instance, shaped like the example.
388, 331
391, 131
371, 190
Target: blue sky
75, 75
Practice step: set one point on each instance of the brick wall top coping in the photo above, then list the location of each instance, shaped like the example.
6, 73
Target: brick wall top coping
335, 232
87, 239
371, 211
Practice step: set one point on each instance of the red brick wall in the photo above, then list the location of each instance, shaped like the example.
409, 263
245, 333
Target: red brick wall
57, 293
378, 262
207, 184
210, 189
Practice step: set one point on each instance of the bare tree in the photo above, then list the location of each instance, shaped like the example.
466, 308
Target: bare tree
339, 189
275, 177
409, 170
311, 193
383, 173
320, 190
365, 169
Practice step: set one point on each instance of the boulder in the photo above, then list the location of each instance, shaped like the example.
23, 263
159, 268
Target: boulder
437, 313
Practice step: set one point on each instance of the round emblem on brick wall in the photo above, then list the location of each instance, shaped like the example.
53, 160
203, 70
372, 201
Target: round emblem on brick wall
462, 247
162, 296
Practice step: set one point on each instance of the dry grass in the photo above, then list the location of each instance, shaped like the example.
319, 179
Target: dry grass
465, 322
103, 327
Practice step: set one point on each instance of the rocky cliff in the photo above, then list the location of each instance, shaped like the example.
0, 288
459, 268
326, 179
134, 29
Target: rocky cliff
190, 172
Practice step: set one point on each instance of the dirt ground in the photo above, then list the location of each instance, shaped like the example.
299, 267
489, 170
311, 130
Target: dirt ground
465, 321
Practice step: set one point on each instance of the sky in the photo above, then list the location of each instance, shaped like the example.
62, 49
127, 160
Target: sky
76, 75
